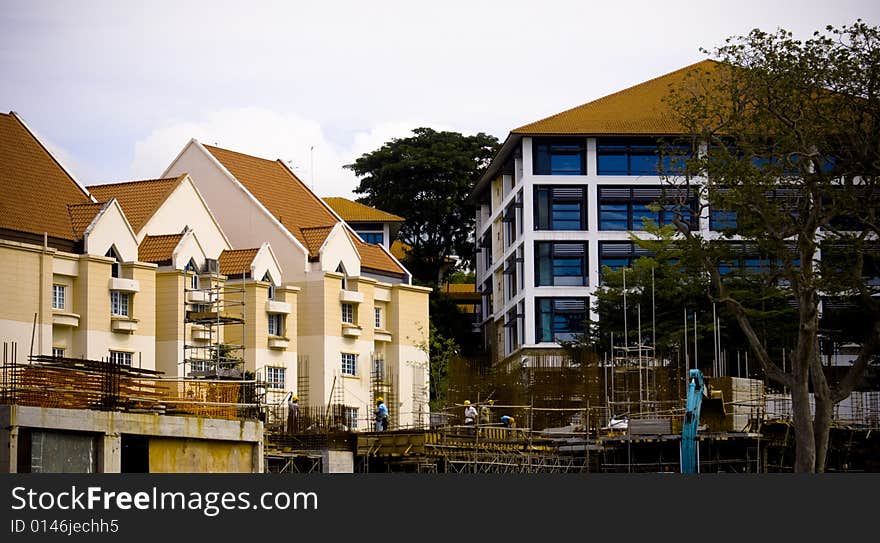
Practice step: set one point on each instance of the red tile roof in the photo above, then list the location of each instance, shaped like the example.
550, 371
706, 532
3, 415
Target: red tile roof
158, 249
234, 262
35, 190
139, 199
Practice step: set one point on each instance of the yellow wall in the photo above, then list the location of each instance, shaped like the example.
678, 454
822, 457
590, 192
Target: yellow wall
26, 290
171, 455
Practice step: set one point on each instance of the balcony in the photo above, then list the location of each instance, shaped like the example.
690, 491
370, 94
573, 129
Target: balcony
351, 330
278, 342
60, 318
201, 333
351, 296
382, 335
199, 297
123, 324
124, 285
278, 307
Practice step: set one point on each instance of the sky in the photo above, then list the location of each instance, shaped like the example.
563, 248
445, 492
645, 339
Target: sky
116, 89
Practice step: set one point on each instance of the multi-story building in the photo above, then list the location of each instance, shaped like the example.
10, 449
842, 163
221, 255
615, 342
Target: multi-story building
79, 283
73, 285
371, 224
361, 326
558, 202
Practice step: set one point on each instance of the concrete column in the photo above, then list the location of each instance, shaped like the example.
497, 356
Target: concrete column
337, 461
110, 455
258, 457
9, 449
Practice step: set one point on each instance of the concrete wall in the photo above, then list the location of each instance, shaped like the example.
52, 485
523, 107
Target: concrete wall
174, 455
189, 436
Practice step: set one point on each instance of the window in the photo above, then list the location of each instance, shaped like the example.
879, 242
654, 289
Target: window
485, 249
59, 293
560, 208
119, 303
379, 370
512, 274
341, 269
626, 208
619, 254
115, 270
512, 328
638, 156
349, 363
561, 264
373, 237
559, 319
120, 358
57, 352
199, 366
559, 157
268, 279
276, 324
193, 271
377, 317
348, 313
276, 377
351, 417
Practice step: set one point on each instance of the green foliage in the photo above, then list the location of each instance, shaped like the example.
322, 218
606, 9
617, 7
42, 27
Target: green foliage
789, 143
426, 178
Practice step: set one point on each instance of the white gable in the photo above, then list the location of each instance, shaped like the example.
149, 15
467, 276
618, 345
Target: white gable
110, 228
337, 248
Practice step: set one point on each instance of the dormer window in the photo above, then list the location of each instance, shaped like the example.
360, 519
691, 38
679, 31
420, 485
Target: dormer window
116, 269
268, 279
191, 268
341, 269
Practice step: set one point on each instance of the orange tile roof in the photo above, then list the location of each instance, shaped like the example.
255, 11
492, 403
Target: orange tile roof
139, 199
288, 199
158, 249
279, 190
374, 257
639, 109
81, 216
314, 238
236, 261
352, 211
35, 190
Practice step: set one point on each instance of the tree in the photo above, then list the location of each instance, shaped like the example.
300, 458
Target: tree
789, 152
426, 178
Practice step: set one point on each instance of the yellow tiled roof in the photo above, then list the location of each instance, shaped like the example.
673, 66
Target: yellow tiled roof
639, 109
138, 199
236, 261
34, 189
158, 249
81, 216
352, 211
293, 204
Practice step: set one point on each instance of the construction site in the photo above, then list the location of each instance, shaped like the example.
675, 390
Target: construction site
572, 411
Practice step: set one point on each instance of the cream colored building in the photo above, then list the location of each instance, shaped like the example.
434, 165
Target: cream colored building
212, 302
72, 284
361, 327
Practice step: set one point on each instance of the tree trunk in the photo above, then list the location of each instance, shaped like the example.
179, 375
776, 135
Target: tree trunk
805, 444
821, 430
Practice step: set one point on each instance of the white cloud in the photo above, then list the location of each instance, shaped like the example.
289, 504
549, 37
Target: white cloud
268, 134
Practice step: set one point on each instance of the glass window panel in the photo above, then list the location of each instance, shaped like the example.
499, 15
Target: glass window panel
611, 163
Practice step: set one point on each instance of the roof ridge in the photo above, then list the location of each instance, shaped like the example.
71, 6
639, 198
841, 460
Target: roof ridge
616, 93
136, 181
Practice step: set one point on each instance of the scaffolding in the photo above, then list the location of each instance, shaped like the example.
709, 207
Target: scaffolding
210, 313
382, 385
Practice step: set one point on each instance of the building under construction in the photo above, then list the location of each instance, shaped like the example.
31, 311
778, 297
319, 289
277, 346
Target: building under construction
575, 412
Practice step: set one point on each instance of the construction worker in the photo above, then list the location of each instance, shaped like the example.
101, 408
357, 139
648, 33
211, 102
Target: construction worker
470, 416
292, 414
486, 413
508, 422
381, 415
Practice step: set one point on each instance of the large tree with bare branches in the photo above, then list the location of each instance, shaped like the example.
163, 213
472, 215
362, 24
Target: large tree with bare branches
788, 156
